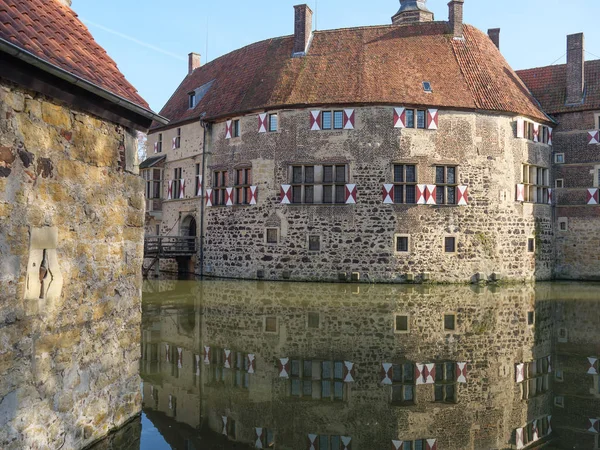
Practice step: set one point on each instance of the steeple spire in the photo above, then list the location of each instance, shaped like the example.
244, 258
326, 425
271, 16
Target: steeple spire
412, 11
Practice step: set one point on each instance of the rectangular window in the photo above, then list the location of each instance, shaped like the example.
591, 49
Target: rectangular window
449, 322
272, 235
326, 122
559, 158
410, 118
450, 244
314, 320
160, 142
401, 324
317, 379
243, 180
405, 183
198, 175
401, 244
220, 180
314, 243
236, 128
178, 138
537, 378
420, 119
268, 438
559, 183
403, 384
176, 186
271, 324
191, 100
446, 182
273, 122
531, 245
318, 184
445, 382
338, 120
537, 182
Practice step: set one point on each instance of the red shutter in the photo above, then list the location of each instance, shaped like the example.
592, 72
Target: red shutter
209, 197
386, 373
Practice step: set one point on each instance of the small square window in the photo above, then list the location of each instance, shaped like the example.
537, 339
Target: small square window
449, 322
530, 317
272, 235
272, 122
450, 244
314, 243
401, 244
559, 158
401, 325
563, 224
559, 183
314, 320
559, 375
559, 401
271, 324
427, 86
531, 245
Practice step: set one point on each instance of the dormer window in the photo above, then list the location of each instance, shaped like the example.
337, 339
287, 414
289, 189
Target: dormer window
192, 100
427, 86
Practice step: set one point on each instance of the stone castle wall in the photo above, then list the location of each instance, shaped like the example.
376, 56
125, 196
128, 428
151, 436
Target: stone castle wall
68, 361
492, 232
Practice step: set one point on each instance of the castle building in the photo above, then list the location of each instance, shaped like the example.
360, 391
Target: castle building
393, 153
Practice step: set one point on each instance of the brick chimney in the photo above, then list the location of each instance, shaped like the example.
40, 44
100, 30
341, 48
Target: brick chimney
456, 17
302, 28
193, 62
412, 11
575, 68
494, 34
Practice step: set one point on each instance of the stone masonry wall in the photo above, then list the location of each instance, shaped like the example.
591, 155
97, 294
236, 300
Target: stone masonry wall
68, 361
491, 233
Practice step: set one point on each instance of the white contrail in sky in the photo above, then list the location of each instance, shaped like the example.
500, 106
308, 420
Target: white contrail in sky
132, 39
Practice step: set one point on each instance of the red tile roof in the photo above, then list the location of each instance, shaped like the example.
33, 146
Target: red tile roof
369, 65
549, 86
53, 32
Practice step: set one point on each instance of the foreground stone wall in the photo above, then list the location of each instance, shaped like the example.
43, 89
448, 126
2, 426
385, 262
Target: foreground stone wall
492, 232
68, 361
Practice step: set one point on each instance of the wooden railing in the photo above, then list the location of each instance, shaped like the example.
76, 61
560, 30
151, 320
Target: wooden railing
169, 246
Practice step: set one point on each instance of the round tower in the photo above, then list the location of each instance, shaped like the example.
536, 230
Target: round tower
412, 11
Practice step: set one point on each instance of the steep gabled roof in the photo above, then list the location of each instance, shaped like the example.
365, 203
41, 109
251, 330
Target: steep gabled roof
52, 32
549, 86
369, 65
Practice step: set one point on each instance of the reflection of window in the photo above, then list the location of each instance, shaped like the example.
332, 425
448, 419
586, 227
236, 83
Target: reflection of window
330, 442
217, 365
231, 428
271, 324
536, 378
401, 325
405, 183
314, 243
445, 382
267, 438
314, 320
531, 245
449, 322
542, 427
403, 384
419, 444
317, 379
241, 376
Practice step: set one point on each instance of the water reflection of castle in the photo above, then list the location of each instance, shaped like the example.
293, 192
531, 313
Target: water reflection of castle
312, 366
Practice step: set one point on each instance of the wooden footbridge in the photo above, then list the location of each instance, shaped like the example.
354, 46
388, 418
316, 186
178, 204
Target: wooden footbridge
167, 247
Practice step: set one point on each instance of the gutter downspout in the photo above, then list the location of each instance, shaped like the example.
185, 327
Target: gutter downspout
205, 126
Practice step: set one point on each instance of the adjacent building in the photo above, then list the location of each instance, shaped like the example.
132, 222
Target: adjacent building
354, 154
71, 230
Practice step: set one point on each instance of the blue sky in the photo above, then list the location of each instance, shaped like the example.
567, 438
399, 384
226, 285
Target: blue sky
150, 43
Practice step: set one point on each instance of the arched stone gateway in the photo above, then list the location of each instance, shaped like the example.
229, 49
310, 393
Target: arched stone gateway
189, 227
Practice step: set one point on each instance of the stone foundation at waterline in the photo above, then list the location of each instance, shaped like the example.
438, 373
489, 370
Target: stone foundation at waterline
68, 361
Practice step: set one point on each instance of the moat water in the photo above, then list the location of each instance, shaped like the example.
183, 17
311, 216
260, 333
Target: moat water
236, 365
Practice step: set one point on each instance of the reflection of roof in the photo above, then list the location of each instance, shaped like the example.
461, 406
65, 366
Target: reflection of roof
52, 32
151, 162
369, 65
549, 86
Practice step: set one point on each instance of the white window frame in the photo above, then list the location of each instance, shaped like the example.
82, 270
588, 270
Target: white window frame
556, 155
564, 220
